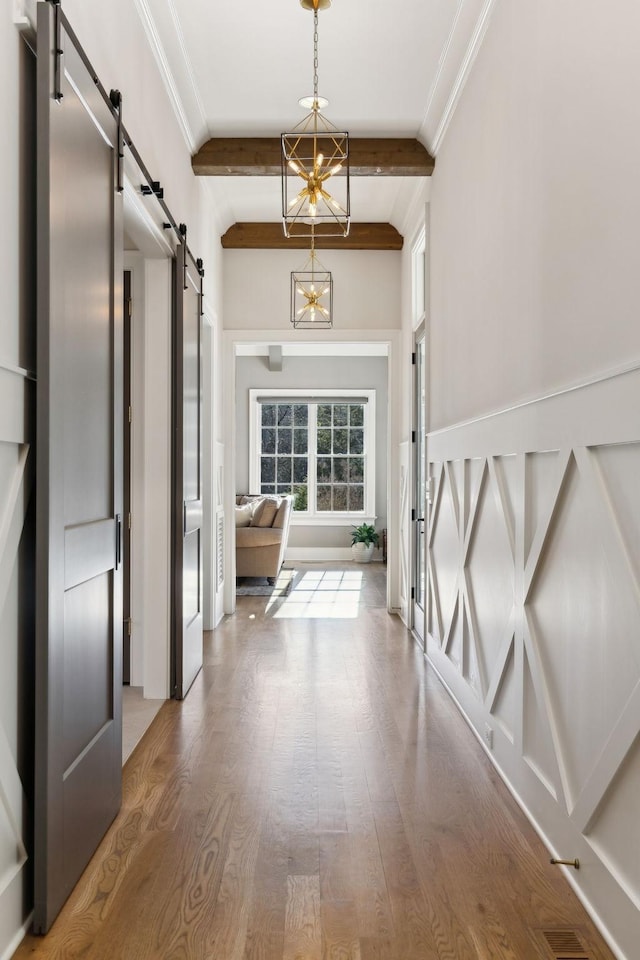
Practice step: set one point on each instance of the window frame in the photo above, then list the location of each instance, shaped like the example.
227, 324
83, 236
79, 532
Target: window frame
314, 397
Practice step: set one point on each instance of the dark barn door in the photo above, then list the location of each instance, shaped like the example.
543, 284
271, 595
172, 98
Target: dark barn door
187, 473
79, 475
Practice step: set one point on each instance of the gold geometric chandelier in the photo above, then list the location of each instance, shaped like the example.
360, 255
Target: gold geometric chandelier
312, 294
315, 165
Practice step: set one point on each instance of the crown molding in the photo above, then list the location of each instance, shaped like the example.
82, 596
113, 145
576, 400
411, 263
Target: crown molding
406, 205
186, 60
157, 48
461, 49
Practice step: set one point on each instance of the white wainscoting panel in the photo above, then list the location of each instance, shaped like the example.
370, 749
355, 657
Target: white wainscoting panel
16, 473
534, 580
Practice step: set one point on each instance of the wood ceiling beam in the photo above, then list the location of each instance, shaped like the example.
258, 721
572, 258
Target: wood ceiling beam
270, 236
260, 157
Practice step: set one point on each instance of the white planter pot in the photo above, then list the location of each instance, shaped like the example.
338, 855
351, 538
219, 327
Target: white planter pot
362, 552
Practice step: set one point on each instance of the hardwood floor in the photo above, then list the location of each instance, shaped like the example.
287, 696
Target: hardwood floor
317, 796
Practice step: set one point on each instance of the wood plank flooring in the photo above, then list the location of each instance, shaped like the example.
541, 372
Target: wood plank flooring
317, 796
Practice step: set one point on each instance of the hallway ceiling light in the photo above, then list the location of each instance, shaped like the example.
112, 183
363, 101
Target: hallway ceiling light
312, 294
314, 153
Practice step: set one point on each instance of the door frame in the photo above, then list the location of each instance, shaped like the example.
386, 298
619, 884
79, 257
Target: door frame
419, 486
187, 515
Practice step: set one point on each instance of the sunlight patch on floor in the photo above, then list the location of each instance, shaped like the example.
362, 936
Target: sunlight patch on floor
321, 594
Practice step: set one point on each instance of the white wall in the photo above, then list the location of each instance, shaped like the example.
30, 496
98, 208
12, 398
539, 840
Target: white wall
535, 208
535, 205
366, 288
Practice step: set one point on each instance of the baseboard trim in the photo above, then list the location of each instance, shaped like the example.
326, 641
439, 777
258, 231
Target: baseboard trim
320, 554
584, 900
17, 939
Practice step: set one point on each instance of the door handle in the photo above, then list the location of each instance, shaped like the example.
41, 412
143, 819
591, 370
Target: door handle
118, 540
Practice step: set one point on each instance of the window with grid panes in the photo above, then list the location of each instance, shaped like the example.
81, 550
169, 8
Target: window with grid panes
317, 452
340, 457
284, 461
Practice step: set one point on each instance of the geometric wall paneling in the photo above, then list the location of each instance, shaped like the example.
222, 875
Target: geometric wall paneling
619, 466
490, 572
537, 746
454, 638
435, 626
473, 669
473, 476
507, 486
607, 834
465, 480
504, 704
541, 471
547, 658
607, 771
546, 596
584, 557
16, 478
13, 854
16, 490
445, 548
15, 393
456, 475
541, 501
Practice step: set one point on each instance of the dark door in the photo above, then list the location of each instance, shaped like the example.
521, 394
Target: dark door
126, 489
79, 475
187, 473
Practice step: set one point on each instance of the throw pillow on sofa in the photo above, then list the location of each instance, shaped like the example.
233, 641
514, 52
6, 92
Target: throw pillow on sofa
265, 513
243, 515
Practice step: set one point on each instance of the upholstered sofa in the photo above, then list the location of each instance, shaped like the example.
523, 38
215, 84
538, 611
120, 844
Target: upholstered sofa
262, 530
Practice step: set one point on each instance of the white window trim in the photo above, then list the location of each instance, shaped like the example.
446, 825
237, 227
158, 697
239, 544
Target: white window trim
298, 517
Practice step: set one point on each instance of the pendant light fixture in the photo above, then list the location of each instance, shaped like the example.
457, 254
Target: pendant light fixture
312, 293
315, 164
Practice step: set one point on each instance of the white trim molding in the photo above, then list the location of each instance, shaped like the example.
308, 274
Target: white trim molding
465, 40
166, 74
321, 555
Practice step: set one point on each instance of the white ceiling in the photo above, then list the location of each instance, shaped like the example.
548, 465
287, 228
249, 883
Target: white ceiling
388, 69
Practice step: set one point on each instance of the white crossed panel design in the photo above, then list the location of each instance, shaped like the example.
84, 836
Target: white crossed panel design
16, 483
534, 579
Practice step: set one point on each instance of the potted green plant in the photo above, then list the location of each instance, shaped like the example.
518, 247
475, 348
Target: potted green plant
363, 539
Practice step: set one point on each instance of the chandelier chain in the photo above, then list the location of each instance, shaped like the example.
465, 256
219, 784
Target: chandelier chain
315, 55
